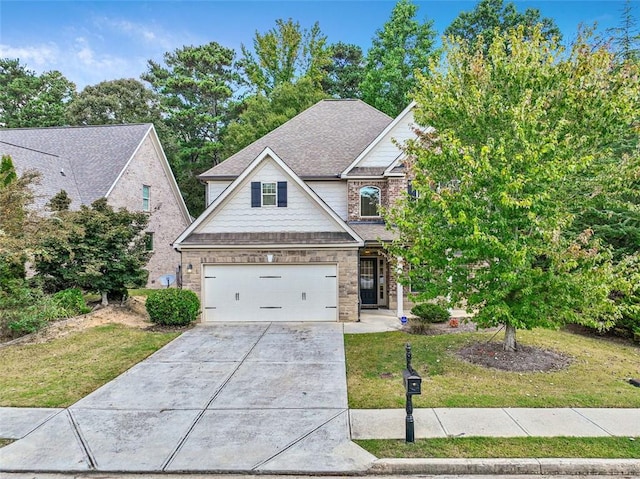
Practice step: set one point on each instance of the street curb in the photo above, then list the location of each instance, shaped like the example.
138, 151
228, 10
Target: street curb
516, 466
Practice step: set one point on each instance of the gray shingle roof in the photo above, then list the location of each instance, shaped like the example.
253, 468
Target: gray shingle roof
91, 157
373, 232
319, 142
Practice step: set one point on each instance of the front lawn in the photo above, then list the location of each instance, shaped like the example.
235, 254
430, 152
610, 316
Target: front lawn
62, 371
497, 447
597, 376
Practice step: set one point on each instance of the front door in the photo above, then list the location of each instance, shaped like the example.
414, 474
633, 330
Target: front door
368, 282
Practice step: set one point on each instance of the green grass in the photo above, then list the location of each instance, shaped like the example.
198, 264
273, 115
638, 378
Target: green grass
62, 371
597, 376
522, 447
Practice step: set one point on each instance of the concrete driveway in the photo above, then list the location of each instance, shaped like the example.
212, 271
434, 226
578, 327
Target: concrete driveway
259, 397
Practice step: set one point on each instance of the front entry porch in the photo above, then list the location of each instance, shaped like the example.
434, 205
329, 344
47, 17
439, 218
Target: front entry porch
377, 286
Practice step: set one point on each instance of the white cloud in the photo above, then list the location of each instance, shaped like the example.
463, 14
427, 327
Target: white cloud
149, 34
37, 56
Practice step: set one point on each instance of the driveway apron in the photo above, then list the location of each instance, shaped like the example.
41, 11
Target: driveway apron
242, 397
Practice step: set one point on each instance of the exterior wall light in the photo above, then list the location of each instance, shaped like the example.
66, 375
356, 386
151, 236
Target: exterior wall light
270, 258
189, 268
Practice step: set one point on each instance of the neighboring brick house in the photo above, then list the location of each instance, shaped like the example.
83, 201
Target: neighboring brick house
124, 163
292, 230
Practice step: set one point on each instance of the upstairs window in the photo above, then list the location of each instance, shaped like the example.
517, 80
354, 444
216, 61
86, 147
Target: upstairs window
369, 201
268, 194
146, 191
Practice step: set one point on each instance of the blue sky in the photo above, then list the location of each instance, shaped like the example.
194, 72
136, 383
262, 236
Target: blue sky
92, 41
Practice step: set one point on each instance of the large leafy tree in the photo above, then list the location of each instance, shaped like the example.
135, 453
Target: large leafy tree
285, 54
345, 72
31, 100
261, 114
114, 102
94, 248
400, 49
511, 133
195, 86
492, 17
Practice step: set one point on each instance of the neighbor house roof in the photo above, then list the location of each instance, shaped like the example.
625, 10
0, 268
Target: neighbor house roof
84, 161
321, 141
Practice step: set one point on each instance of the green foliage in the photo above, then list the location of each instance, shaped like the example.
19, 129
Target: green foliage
345, 72
25, 309
95, 248
30, 100
59, 202
403, 47
7, 171
262, 114
114, 102
72, 301
512, 132
20, 226
195, 87
626, 36
492, 17
284, 54
430, 312
173, 307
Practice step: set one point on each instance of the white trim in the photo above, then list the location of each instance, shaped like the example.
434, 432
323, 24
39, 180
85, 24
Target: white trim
266, 153
165, 165
378, 139
377, 215
135, 152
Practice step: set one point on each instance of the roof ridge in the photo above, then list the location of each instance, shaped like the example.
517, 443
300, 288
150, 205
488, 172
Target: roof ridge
70, 127
30, 149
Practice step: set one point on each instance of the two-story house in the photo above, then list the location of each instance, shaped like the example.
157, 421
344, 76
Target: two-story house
293, 230
123, 163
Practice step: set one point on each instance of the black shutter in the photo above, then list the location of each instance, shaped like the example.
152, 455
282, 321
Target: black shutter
282, 193
256, 193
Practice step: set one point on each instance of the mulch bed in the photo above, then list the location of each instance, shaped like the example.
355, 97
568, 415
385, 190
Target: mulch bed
526, 359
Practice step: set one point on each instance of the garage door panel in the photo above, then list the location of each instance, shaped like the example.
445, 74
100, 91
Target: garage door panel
270, 293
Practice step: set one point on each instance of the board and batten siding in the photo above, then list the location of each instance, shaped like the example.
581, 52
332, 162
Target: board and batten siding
386, 151
215, 189
235, 214
333, 193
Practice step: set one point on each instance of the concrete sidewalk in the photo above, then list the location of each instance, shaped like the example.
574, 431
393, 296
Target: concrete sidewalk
496, 422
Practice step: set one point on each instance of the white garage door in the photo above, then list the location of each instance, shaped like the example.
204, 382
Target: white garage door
270, 292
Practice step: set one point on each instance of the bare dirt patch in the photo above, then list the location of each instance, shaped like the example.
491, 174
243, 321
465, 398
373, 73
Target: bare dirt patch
132, 313
526, 359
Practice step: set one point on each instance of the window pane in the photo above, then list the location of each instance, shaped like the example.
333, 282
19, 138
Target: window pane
148, 241
369, 201
145, 197
268, 194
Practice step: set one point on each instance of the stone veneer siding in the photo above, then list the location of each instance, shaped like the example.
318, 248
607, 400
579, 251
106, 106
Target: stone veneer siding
346, 259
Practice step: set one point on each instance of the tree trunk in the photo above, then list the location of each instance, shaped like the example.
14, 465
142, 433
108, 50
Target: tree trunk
510, 339
105, 301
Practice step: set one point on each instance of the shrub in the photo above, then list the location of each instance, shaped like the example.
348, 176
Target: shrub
72, 301
173, 307
431, 313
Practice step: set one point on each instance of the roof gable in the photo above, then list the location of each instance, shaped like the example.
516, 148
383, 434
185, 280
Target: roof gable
319, 142
231, 211
382, 152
